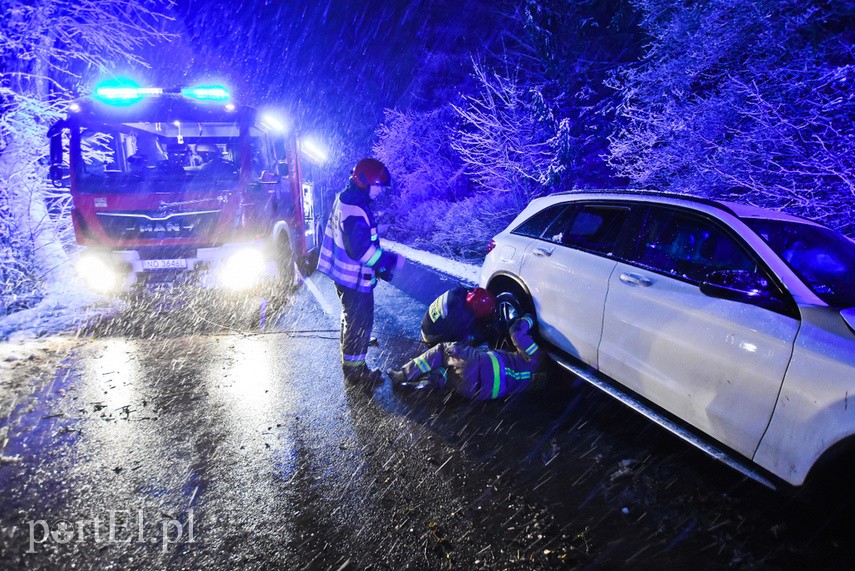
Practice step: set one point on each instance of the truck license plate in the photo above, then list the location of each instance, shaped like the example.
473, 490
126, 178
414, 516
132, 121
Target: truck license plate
180, 264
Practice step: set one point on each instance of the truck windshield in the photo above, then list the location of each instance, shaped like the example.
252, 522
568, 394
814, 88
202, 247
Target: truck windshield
147, 157
822, 258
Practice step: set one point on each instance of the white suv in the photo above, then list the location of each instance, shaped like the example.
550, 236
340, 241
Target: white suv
732, 326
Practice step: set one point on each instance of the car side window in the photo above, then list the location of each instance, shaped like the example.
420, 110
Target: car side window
535, 226
689, 246
592, 227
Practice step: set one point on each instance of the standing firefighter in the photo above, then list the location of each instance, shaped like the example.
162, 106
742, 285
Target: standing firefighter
475, 372
351, 255
460, 314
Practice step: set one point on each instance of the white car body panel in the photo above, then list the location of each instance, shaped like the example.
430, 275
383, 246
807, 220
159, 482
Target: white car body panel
568, 288
714, 363
506, 257
817, 404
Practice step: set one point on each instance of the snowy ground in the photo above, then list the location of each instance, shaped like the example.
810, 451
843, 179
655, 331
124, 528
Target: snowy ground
35, 341
73, 307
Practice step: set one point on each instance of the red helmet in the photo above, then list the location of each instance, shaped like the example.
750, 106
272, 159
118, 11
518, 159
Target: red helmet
369, 172
481, 302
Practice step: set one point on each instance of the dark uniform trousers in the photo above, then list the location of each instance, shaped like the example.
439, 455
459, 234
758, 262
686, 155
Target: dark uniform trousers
357, 320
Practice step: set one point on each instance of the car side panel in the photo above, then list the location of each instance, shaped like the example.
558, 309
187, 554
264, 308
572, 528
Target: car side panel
817, 404
505, 258
716, 364
568, 288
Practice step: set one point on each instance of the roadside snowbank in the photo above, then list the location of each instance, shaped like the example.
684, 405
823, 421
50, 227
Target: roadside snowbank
56, 313
467, 273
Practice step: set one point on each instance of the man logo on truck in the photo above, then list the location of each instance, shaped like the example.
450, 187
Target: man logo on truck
157, 227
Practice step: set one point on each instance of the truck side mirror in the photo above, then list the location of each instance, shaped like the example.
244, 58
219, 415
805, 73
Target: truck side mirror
60, 176
59, 172
282, 168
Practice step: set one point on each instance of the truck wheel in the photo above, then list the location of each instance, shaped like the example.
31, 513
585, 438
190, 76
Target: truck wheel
283, 284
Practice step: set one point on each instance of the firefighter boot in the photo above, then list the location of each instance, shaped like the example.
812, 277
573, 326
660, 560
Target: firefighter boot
433, 379
398, 377
362, 375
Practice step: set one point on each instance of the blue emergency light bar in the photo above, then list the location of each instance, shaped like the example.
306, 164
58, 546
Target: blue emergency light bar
123, 92
207, 93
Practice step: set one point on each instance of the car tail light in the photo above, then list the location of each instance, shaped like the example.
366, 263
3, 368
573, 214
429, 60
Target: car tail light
490, 246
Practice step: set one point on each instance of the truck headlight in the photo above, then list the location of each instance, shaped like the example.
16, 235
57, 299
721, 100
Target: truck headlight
97, 272
242, 269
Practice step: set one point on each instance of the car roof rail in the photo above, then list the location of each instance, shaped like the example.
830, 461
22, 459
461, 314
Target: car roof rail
650, 193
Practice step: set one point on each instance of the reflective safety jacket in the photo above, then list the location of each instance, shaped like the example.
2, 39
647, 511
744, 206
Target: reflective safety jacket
449, 318
350, 253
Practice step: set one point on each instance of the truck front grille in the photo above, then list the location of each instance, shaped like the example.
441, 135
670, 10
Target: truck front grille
157, 225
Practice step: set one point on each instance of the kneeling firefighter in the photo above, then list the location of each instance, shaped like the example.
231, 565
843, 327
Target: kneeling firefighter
461, 314
351, 255
476, 372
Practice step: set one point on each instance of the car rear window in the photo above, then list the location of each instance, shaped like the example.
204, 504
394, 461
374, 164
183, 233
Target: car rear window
589, 227
537, 224
592, 227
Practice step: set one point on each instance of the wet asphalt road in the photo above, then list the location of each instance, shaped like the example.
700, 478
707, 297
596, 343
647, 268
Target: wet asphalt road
191, 440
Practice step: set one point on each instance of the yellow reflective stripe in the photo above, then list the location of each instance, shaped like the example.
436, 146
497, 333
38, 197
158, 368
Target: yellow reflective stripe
373, 260
369, 253
348, 363
497, 375
439, 308
518, 375
423, 365
532, 348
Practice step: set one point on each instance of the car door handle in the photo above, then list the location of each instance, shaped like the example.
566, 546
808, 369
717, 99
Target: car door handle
543, 252
635, 280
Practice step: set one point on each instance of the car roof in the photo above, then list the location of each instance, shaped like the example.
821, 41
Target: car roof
742, 211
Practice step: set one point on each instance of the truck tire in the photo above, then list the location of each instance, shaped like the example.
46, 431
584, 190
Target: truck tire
283, 283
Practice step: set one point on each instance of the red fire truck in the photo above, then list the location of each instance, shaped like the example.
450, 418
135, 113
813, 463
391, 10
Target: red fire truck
183, 186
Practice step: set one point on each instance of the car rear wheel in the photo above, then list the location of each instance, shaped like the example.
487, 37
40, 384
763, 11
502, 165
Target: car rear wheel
511, 303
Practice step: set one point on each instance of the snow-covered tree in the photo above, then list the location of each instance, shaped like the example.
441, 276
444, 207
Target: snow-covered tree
507, 136
527, 120
427, 174
576, 46
416, 145
48, 50
747, 100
